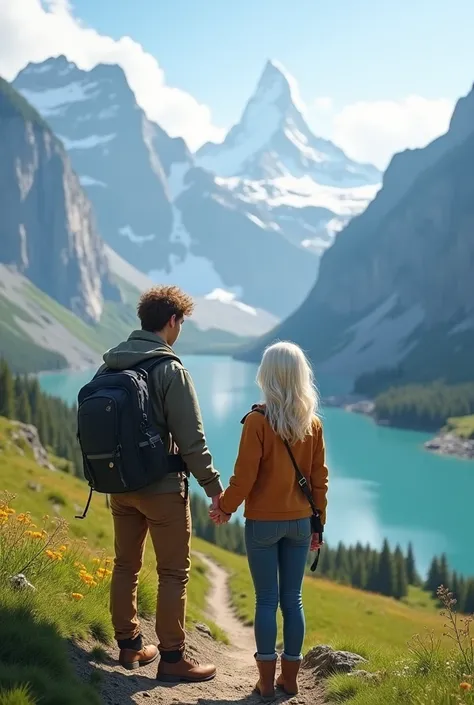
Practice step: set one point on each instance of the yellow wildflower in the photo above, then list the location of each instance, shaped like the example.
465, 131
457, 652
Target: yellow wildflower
96, 560
465, 686
23, 518
77, 596
34, 534
10, 510
54, 555
63, 549
108, 572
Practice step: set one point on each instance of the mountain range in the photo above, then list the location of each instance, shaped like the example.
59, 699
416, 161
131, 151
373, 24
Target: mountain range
235, 217
65, 296
394, 301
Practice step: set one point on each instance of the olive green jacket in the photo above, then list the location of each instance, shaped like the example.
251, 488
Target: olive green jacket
176, 411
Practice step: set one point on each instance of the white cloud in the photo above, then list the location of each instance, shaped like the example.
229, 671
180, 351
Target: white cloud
323, 103
31, 30
372, 131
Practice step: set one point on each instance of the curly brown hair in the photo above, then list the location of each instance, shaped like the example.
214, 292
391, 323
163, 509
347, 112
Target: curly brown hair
157, 305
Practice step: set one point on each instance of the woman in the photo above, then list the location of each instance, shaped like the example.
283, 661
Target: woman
278, 515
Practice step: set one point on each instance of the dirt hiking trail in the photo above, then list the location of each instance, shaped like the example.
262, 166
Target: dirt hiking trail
236, 674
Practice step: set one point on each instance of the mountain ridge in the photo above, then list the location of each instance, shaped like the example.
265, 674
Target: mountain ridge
159, 210
384, 307
47, 228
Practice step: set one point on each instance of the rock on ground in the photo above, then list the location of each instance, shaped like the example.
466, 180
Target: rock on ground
324, 661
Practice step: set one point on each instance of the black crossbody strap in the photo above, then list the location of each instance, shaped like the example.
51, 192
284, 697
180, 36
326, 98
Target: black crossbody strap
302, 482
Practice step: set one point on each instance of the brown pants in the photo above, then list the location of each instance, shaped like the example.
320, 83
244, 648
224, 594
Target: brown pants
168, 518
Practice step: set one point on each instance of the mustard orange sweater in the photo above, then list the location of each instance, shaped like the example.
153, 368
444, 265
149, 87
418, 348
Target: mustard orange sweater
265, 479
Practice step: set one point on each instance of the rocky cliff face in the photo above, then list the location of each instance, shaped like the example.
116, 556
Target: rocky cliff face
47, 227
162, 210
396, 291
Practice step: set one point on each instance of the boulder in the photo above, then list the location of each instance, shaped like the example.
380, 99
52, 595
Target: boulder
204, 629
27, 433
324, 661
21, 582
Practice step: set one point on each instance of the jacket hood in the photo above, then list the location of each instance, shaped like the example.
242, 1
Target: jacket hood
140, 346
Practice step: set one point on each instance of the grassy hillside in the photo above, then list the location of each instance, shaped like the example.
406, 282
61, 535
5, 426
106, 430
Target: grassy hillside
33, 628
37, 333
462, 426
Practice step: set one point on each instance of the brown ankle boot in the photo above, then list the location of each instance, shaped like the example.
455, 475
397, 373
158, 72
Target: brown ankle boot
186, 670
266, 683
130, 658
289, 675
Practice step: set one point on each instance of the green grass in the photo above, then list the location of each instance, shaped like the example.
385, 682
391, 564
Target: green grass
462, 426
35, 627
17, 347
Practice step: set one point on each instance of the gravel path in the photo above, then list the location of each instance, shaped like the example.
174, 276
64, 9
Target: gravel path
236, 675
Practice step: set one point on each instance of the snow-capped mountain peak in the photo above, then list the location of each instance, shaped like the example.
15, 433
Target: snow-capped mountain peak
272, 187
272, 139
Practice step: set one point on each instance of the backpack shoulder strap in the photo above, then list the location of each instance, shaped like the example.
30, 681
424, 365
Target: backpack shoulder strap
255, 407
151, 362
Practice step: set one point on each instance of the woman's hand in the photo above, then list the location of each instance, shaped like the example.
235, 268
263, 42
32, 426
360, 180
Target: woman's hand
218, 516
315, 543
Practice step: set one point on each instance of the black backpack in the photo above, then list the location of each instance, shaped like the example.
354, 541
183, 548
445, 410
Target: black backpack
122, 450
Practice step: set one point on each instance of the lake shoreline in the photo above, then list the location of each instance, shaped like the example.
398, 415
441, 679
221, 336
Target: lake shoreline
446, 444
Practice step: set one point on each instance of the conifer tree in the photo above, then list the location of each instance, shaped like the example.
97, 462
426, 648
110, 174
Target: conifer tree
22, 403
412, 575
469, 600
7, 391
386, 572
342, 568
433, 581
373, 559
444, 576
360, 573
401, 581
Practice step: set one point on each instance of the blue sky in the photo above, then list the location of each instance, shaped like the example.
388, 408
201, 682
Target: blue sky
376, 77
347, 49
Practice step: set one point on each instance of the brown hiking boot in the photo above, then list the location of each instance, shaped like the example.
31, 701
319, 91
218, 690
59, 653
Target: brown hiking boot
266, 683
289, 675
130, 658
186, 670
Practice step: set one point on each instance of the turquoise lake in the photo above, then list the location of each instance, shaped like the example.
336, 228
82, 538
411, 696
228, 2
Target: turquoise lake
383, 484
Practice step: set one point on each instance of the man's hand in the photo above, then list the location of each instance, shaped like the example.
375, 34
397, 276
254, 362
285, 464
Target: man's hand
216, 513
215, 501
315, 543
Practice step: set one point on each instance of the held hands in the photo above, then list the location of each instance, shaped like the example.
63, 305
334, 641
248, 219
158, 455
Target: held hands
316, 543
215, 512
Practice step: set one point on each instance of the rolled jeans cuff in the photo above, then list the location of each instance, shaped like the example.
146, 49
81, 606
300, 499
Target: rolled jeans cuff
286, 657
266, 657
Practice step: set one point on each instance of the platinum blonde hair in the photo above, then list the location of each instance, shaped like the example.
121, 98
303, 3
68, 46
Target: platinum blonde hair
291, 398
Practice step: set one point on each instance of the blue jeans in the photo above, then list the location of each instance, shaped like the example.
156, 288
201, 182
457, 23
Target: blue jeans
277, 552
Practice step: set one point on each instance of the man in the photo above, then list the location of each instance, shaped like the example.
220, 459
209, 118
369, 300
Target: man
161, 508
